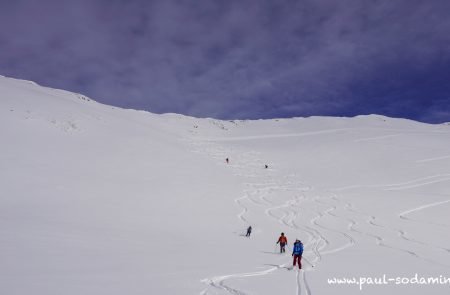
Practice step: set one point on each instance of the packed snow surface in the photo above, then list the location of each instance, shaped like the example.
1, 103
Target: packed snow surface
100, 200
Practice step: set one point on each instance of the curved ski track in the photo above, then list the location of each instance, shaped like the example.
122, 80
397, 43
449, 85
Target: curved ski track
261, 186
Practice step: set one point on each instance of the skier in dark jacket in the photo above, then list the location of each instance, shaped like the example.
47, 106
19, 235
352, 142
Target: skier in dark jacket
249, 231
297, 253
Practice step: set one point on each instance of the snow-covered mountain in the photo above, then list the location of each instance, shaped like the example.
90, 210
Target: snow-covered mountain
100, 200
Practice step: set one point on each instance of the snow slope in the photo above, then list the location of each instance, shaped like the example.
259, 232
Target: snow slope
100, 200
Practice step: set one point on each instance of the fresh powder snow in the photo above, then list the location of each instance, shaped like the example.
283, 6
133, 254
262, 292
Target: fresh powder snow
96, 199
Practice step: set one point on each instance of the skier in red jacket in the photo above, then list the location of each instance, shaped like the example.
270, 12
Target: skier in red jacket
282, 240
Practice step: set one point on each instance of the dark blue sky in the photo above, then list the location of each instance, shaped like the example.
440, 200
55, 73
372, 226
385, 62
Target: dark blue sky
238, 59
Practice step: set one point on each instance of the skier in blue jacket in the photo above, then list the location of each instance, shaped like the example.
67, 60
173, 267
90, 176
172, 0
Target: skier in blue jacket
297, 253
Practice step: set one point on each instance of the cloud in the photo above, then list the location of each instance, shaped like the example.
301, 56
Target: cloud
237, 59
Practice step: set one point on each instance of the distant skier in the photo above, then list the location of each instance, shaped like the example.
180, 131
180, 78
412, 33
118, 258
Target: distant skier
297, 253
249, 231
282, 240
227, 160
266, 166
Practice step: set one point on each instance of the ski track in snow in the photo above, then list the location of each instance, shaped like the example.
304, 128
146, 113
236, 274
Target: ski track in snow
433, 159
260, 186
320, 132
238, 201
436, 179
402, 215
267, 136
419, 182
351, 240
302, 283
286, 213
219, 281
256, 194
402, 185
377, 137
382, 242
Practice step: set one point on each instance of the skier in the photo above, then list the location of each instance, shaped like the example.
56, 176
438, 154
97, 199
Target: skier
266, 166
249, 231
227, 160
297, 253
282, 240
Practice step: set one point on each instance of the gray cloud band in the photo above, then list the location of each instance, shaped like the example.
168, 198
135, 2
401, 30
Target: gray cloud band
237, 59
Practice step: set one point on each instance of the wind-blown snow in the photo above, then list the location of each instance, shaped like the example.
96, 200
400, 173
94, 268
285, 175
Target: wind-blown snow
100, 200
